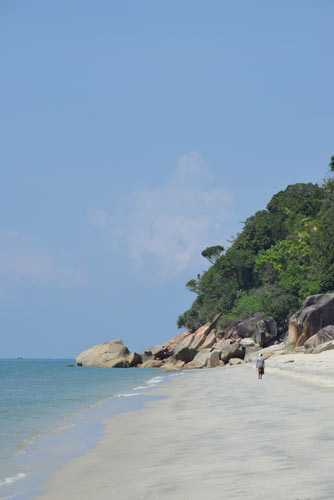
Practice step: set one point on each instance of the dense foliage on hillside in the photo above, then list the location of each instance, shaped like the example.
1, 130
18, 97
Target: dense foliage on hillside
282, 255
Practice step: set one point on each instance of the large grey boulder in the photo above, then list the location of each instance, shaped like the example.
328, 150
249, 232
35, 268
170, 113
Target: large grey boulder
324, 335
317, 312
232, 351
103, 355
223, 343
266, 331
206, 358
243, 329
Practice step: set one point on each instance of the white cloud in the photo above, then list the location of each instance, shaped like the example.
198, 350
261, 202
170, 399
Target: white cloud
23, 259
164, 229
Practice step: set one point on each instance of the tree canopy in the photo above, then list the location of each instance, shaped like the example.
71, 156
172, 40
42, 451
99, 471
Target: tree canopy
283, 254
212, 253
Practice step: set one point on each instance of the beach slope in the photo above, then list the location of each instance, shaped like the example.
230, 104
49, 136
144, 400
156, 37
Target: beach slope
214, 434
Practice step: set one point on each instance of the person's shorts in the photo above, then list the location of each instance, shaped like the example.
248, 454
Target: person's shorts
261, 370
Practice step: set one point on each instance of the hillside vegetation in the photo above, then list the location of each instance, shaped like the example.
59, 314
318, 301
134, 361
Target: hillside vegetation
283, 254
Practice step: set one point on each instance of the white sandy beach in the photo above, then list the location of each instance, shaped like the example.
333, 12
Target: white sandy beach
217, 434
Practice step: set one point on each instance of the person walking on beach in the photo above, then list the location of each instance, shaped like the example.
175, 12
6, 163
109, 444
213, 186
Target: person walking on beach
260, 365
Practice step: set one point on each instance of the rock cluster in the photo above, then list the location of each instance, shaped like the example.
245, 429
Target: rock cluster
311, 330
207, 347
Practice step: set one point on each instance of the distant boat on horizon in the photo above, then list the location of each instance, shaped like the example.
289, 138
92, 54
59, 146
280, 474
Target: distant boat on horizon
19, 358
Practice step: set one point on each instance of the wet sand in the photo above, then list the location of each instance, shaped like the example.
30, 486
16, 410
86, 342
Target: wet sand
215, 434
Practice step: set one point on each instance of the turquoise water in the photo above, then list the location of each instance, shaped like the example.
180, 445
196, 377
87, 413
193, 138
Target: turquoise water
50, 412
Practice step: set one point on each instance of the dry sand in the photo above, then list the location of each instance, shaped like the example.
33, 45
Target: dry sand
219, 434
316, 369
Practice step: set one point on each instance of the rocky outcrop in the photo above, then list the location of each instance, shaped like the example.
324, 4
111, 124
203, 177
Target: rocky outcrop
317, 312
112, 354
324, 335
206, 347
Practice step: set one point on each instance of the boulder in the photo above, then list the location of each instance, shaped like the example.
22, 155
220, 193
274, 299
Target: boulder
223, 343
199, 336
232, 351
103, 354
167, 349
134, 359
243, 329
206, 358
235, 361
210, 341
266, 331
324, 335
171, 343
183, 347
183, 351
247, 343
274, 350
327, 346
316, 313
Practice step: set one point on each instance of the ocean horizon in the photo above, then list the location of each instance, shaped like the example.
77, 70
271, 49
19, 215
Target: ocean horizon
52, 411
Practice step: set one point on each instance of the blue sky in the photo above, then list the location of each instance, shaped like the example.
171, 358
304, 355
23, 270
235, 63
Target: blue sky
135, 134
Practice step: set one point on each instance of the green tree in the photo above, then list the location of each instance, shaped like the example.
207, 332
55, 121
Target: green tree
331, 164
213, 253
283, 254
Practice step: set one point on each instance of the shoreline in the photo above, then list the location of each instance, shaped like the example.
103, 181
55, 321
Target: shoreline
68, 437
217, 433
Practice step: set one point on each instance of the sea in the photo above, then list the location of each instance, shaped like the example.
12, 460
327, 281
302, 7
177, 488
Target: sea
52, 411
